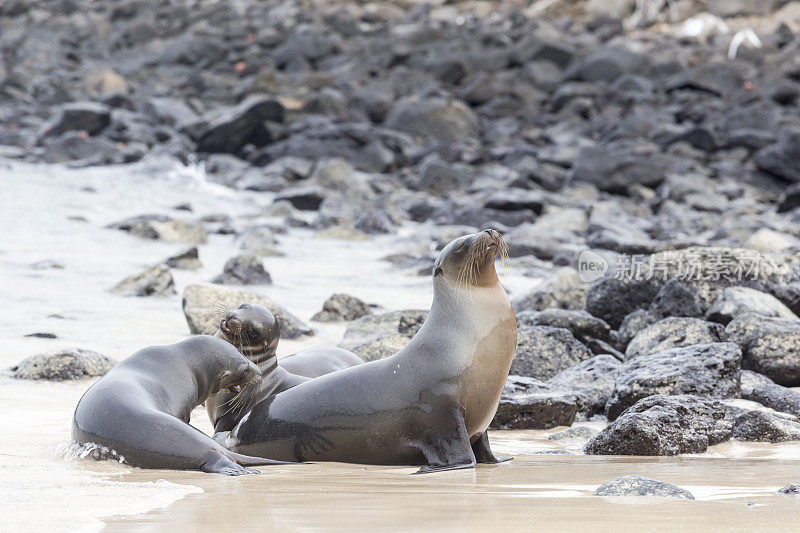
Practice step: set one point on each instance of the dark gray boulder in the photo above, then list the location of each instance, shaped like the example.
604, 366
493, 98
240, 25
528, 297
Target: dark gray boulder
664, 425
770, 346
783, 157
186, 260
710, 370
790, 199
763, 426
155, 281
342, 307
761, 389
607, 64
672, 333
229, 130
613, 299
60, 365
674, 299
591, 381
305, 198
543, 351
90, 117
244, 269
582, 325
704, 272
528, 403
792, 489
638, 486
616, 168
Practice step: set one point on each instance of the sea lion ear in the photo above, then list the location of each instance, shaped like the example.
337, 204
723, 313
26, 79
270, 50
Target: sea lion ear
437, 271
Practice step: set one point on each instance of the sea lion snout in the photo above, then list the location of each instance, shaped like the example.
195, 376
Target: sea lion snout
247, 374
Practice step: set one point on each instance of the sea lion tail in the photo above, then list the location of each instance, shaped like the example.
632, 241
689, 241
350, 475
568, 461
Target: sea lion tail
248, 460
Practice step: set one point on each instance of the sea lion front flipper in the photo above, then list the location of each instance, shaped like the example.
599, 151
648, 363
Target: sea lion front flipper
483, 452
448, 445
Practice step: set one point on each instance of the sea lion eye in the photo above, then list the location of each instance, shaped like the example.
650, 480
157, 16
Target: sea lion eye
437, 271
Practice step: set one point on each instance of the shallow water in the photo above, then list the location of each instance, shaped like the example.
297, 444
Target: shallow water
734, 483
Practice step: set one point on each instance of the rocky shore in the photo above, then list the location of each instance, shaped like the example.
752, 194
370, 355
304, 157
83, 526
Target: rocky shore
663, 141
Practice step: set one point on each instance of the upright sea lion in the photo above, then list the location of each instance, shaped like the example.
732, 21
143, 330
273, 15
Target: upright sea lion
255, 332
428, 404
141, 407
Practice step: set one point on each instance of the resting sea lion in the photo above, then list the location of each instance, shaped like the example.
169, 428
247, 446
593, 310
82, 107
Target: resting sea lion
141, 407
319, 360
428, 404
255, 332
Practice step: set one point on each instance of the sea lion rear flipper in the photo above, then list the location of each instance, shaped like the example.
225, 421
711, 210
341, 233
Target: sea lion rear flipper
483, 453
448, 446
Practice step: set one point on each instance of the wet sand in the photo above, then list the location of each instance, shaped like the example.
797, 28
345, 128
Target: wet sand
531, 493
734, 483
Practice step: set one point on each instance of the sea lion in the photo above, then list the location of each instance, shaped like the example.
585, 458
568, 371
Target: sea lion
255, 332
429, 404
140, 409
319, 360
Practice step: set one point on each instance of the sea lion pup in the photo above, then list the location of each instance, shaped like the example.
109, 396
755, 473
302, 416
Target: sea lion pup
141, 407
255, 332
429, 404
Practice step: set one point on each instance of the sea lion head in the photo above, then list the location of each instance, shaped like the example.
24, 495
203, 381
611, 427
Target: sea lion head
252, 328
468, 261
236, 372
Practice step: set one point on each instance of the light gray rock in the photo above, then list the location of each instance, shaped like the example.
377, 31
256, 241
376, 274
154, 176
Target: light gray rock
258, 240
564, 289
709, 370
632, 485
155, 281
736, 301
574, 434
170, 231
373, 337
60, 365
368, 328
672, 333
435, 119
201, 309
